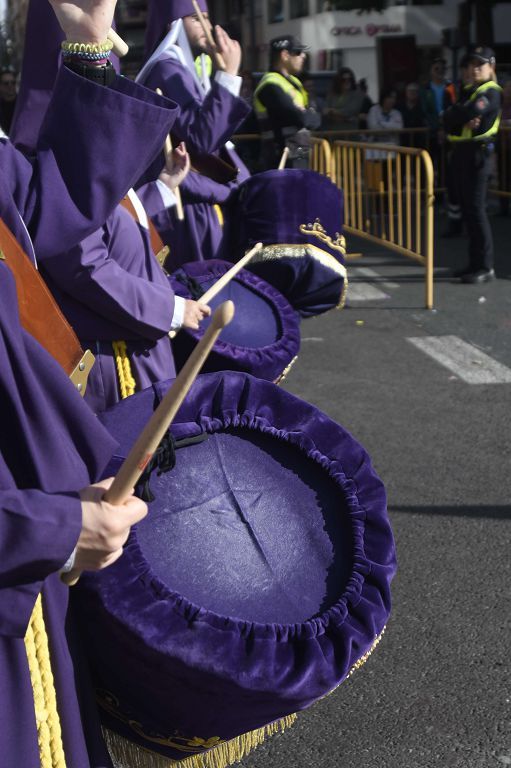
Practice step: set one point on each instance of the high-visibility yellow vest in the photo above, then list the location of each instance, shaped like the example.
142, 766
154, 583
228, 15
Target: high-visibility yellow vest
467, 134
290, 85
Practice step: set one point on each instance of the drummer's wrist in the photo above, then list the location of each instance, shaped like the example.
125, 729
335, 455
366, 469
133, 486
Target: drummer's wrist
179, 313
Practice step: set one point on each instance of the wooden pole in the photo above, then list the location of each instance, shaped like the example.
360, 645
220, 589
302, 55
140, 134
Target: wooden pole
120, 47
283, 159
168, 154
152, 434
224, 280
219, 59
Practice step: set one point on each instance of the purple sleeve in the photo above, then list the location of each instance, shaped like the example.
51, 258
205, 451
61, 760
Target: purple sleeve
205, 125
38, 532
90, 274
94, 143
151, 198
200, 189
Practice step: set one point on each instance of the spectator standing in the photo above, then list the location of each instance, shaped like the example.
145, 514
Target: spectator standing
8, 94
281, 104
344, 103
384, 116
366, 104
472, 125
413, 116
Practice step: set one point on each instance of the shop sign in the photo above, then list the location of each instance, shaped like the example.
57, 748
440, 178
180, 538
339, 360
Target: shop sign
371, 30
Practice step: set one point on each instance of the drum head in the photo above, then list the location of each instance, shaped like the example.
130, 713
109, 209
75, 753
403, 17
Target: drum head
263, 338
246, 526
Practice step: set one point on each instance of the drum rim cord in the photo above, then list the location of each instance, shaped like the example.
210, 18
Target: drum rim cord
362, 567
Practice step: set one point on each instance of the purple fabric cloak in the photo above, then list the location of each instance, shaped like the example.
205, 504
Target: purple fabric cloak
205, 123
51, 445
41, 61
111, 287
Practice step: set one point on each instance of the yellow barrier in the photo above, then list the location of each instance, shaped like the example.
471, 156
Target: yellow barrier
321, 157
389, 199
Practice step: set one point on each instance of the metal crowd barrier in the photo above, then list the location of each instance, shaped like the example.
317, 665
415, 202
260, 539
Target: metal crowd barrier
389, 199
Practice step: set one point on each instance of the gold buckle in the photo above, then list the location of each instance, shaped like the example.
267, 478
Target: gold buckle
161, 256
81, 373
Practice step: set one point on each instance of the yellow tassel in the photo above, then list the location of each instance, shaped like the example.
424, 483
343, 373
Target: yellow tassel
49, 735
127, 383
219, 214
126, 754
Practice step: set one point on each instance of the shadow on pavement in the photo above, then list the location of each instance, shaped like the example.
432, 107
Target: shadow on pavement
495, 512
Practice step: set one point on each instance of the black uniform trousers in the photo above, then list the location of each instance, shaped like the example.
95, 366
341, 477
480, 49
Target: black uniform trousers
470, 167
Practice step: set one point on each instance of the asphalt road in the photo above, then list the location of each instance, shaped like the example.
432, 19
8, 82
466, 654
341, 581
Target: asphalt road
436, 692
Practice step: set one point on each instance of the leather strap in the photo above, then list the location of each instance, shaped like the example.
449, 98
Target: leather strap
40, 315
156, 241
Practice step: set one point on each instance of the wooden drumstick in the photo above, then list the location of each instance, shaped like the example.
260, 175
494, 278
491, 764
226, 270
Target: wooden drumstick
222, 281
120, 47
152, 434
219, 59
168, 154
283, 159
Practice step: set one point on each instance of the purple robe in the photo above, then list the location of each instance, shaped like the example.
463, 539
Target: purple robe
93, 144
41, 61
205, 123
111, 287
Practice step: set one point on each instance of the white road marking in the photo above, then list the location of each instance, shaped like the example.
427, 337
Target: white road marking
463, 359
368, 272
364, 292
312, 338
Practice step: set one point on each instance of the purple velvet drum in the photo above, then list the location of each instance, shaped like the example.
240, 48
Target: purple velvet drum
298, 215
263, 339
259, 580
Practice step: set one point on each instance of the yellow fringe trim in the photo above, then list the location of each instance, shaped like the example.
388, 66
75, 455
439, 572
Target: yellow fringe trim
125, 754
49, 735
127, 383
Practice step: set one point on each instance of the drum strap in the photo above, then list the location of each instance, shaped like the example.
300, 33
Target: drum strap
40, 315
160, 250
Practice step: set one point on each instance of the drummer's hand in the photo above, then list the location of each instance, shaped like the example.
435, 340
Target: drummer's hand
230, 50
84, 21
195, 312
177, 166
105, 527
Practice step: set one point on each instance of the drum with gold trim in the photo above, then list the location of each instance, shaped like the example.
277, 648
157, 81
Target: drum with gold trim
298, 215
263, 338
257, 583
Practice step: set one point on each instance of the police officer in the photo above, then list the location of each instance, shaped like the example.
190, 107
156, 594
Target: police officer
471, 125
282, 106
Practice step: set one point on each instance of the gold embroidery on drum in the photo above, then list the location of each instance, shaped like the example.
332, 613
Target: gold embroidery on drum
318, 230
299, 251
193, 745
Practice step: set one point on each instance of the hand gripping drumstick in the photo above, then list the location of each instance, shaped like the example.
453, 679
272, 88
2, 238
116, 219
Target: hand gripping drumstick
152, 434
120, 47
168, 153
222, 281
219, 59
283, 159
